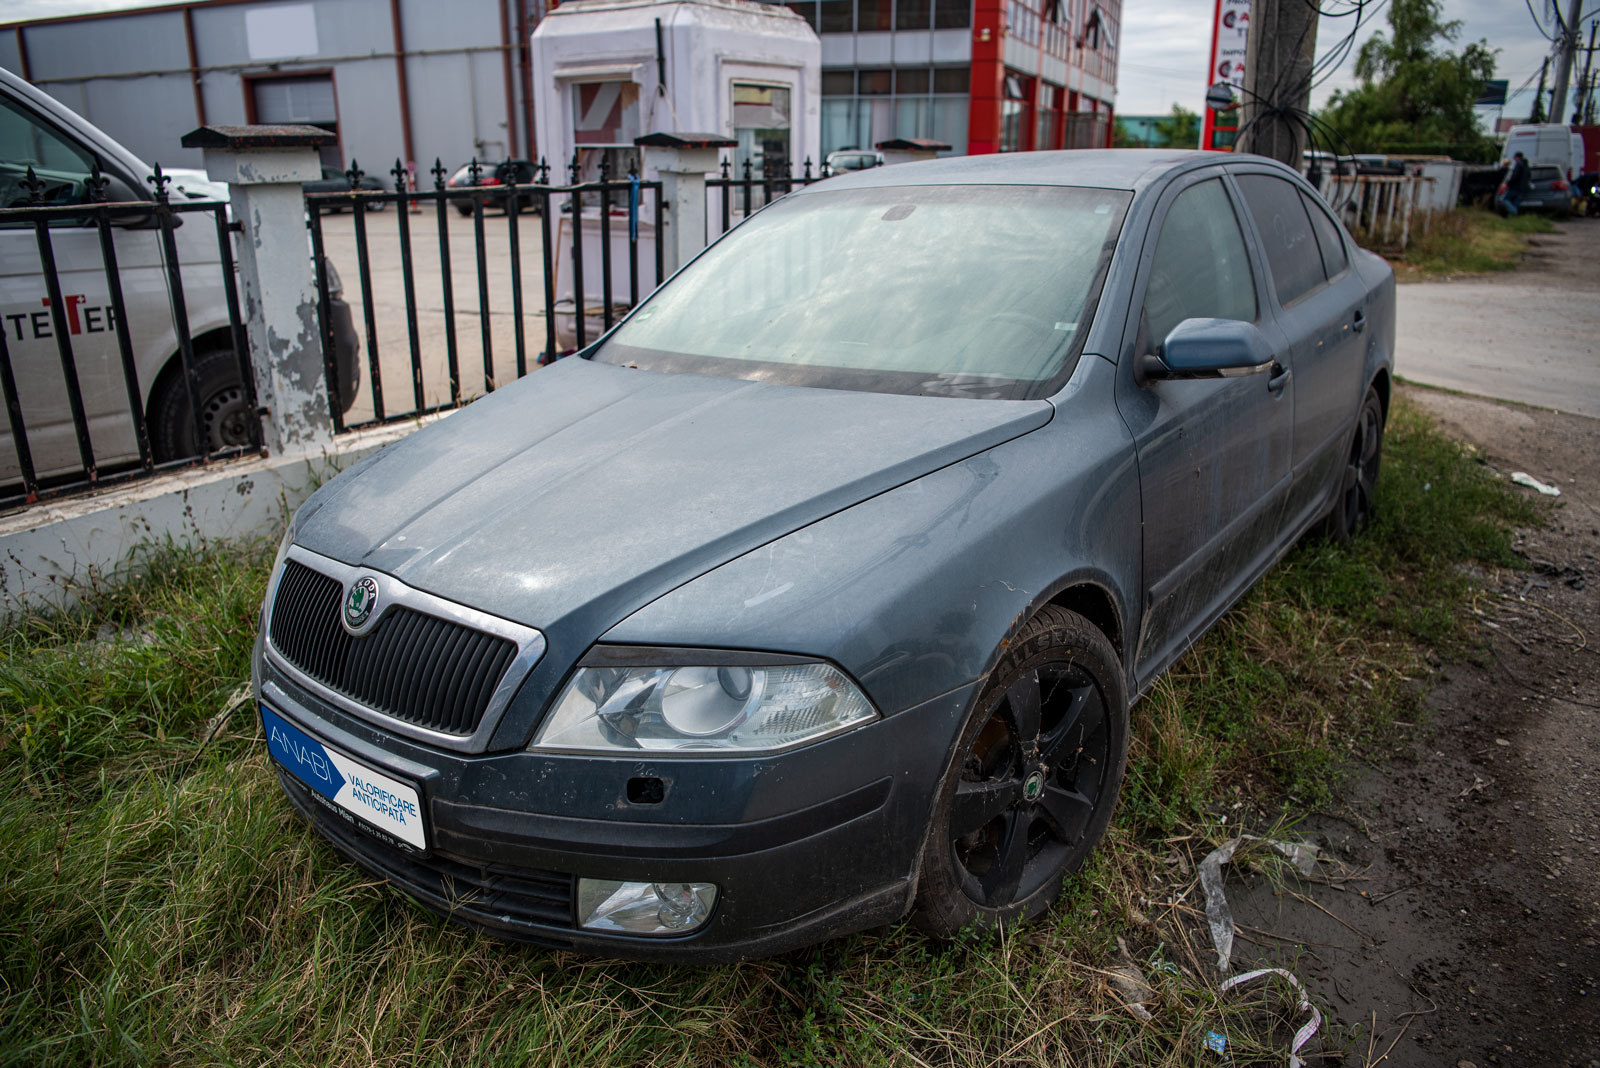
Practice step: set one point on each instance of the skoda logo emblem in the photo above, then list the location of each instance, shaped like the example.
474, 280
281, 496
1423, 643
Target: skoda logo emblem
359, 601
1033, 786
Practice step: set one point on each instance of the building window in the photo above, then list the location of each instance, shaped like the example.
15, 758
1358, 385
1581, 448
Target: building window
876, 82
952, 14
761, 126
874, 15
913, 14
1014, 114
861, 108
836, 16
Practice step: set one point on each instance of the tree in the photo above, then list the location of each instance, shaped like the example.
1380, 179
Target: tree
1181, 129
1413, 89
1121, 136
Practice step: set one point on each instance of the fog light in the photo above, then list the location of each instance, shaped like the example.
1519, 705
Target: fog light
658, 909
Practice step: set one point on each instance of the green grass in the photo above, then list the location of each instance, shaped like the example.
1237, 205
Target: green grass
160, 903
1464, 241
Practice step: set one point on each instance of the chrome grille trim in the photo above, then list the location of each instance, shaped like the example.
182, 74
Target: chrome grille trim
530, 646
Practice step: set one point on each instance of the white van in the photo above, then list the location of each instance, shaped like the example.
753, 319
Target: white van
61, 147
1548, 142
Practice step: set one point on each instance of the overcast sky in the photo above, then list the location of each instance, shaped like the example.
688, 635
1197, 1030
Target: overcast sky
1165, 42
1165, 45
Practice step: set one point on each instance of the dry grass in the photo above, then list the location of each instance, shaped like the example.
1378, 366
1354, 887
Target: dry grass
1465, 241
160, 903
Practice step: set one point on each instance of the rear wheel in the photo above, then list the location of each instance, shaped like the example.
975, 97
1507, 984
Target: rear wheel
224, 412
464, 209
1352, 508
1033, 783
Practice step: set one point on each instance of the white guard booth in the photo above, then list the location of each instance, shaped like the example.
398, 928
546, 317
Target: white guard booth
608, 71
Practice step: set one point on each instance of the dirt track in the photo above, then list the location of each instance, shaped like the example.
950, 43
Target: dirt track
1531, 336
1468, 929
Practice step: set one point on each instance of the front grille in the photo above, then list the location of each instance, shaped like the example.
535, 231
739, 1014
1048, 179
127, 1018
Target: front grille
413, 666
497, 897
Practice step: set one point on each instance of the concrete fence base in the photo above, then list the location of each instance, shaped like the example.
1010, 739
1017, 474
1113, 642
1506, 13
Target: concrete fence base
51, 554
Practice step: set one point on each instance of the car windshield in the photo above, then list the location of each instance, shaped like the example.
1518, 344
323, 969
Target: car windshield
980, 291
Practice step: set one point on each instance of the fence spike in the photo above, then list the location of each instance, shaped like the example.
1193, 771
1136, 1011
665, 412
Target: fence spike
355, 174
544, 171
160, 182
605, 168
474, 170
573, 168
807, 178
34, 186
98, 183
438, 174
399, 172
747, 169
726, 163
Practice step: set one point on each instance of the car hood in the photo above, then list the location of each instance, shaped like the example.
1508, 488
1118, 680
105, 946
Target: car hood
578, 494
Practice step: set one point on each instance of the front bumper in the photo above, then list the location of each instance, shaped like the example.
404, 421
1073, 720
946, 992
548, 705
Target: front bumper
803, 846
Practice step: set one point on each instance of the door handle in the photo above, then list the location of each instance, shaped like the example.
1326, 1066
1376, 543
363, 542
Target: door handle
1276, 383
1360, 322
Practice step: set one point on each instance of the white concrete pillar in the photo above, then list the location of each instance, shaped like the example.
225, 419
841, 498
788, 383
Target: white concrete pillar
264, 166
682, 161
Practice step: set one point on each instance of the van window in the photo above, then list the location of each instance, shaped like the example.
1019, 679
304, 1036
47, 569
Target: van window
25, 142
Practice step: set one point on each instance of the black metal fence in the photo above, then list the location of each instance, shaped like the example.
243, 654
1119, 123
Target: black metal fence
738, 197
585, 300
108, 449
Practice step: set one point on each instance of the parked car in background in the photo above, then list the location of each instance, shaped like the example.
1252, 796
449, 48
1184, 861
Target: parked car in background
336, 181
853, 159
195, 184
61, 148
1549, 191
506, 172
817, 591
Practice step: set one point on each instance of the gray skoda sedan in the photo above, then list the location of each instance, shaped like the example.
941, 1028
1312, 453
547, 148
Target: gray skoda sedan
816, 593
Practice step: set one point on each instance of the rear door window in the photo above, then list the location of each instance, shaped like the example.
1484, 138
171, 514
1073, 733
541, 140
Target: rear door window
1293, 255
1329, 240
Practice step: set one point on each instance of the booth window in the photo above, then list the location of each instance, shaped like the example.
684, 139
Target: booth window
761, 126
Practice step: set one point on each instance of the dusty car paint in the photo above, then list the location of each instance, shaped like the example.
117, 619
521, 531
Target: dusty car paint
904, 539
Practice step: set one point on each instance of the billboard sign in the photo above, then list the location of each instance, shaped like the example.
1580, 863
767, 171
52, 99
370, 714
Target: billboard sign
1229, 33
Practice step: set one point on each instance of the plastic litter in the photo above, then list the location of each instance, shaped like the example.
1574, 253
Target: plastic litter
1216, 1043
1218, 916
1522, 478
1309, 1028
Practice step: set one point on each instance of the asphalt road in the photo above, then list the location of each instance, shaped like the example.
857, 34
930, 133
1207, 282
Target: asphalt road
1532, 335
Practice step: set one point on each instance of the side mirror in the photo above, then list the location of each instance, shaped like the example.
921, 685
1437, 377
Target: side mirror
1209, 348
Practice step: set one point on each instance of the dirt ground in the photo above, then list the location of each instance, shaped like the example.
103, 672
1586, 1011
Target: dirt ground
1457, 917
1532, 335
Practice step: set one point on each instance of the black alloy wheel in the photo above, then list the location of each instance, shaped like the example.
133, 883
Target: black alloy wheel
1352, 509
1039, 768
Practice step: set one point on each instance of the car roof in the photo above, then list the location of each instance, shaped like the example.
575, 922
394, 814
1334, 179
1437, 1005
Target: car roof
1109, 168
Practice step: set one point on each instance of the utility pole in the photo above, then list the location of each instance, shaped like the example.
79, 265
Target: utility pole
1279, 55
1569, 51
1584, 111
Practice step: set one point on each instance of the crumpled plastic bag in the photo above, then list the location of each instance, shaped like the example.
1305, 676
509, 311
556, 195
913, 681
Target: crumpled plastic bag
1218, 916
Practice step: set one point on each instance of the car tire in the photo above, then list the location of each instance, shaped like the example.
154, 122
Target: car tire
377, 205
1032, 782
226, 412
463, 209
1358, 476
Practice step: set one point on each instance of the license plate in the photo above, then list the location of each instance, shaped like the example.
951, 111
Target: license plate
394, 808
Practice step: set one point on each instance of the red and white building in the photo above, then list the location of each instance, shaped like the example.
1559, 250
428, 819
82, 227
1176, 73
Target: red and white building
980, 75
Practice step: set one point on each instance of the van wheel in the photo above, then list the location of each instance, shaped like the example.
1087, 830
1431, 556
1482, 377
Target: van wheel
1033, 781
224, 411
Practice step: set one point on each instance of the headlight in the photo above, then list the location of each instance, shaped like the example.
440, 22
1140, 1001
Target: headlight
707, 707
